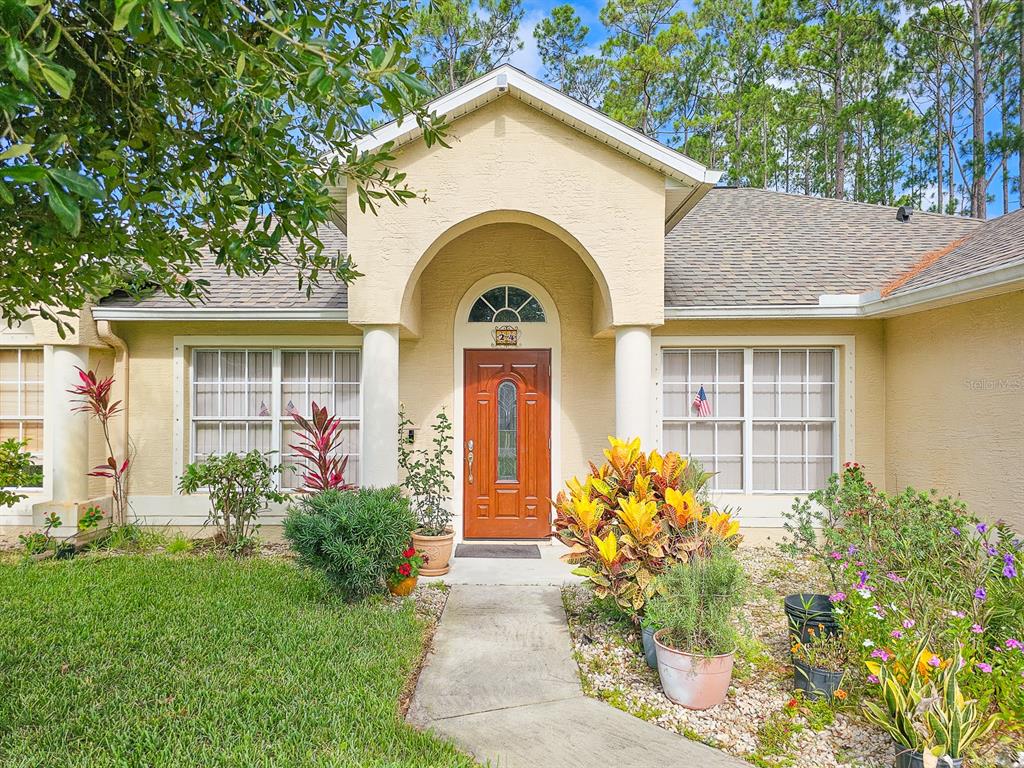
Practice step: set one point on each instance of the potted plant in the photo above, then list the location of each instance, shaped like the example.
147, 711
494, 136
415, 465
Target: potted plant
811, 525
925, 713
402, 580
695, 607
819, 664
427, 483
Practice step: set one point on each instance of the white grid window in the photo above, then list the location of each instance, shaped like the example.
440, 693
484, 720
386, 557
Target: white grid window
242, 400
21, 402
773, 415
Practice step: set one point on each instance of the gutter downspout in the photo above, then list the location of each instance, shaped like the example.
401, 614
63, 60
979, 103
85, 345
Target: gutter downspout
108, 337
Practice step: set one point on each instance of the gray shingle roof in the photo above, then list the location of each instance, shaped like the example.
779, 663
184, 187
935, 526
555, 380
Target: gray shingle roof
278, 289
999, 243
759, 247
736, 247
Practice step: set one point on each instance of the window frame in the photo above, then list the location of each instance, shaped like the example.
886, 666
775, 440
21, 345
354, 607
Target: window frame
38, 456
837, 347
277, 417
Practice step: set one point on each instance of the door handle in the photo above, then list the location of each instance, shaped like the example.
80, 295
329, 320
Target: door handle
469, 458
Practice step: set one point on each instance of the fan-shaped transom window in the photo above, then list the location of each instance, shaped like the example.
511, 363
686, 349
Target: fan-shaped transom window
506, 304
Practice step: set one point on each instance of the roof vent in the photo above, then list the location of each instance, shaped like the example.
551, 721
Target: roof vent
903, 213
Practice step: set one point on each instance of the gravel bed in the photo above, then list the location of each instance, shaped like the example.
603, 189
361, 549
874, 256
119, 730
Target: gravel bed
758, 721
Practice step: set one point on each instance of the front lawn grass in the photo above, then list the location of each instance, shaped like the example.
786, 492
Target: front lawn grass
199, 661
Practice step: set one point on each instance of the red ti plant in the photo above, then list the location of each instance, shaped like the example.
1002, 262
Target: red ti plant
93, 395
319, 439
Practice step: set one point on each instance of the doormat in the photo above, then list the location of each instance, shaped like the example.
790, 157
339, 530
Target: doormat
499, 551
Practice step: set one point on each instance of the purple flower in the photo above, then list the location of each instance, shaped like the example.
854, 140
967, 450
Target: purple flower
881, 653
836, 555
992, 551
908, 623
934, 661
958, 614
850, 550
863, 575
1014, 644
981, 527
895, 577
1008, 558
980, 594
897, 634
1009, 571
955, 531
982, 666
838, 597
977, 629
873, 679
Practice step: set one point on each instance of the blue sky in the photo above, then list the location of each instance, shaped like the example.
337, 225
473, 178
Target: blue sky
528, 60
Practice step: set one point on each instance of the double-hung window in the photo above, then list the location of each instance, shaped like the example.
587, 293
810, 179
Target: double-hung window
21, 403
244, 399
771, 424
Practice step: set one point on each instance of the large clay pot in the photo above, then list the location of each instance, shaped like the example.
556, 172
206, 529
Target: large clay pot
438, 550
695, 682
404, 587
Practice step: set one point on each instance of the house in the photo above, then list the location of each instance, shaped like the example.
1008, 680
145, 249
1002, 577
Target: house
566, 279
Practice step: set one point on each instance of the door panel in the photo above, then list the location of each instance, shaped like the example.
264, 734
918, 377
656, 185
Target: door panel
508, 424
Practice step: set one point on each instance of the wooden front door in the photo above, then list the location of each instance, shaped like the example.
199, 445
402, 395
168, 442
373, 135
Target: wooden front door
507, 449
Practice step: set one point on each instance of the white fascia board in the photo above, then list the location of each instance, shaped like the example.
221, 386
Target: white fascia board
989, 282
216, 313
507, 78
742, 311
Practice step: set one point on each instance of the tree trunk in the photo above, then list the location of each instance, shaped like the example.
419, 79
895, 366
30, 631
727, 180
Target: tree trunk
979, 173
950, 149
1004, 156
939, 178
838, 105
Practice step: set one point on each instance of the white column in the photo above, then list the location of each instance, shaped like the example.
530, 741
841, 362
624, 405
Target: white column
634, 399
67, 433
379, 429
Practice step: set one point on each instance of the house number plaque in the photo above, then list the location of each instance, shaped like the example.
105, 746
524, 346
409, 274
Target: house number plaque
506, 336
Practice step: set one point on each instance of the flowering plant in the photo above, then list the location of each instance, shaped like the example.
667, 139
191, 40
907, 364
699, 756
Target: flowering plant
409, 565
823, 650
913, 567
634, 517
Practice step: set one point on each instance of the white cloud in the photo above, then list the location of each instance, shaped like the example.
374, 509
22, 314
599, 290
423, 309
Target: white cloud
527, 58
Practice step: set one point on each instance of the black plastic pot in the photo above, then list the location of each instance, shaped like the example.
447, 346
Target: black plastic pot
650, 649
906, 758
816, 682
809, 611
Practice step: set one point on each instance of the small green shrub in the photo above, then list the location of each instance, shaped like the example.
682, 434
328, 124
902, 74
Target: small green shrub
697, 602
133, 538
355, 538
240, 488
16, 471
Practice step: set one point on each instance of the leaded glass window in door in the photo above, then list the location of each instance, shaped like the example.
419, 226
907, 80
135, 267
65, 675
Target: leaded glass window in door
508, 434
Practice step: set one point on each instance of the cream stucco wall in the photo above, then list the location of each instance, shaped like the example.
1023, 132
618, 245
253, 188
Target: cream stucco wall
587, 408
152, 393
510, 162
955, 404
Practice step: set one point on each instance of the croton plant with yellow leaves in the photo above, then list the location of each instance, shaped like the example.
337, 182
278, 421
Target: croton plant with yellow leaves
634, 516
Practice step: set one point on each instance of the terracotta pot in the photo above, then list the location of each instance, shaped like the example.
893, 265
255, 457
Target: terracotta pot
404, 587
695, 682
438, 550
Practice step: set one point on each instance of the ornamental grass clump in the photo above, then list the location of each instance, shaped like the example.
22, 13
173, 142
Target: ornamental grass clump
697, 602
635, 516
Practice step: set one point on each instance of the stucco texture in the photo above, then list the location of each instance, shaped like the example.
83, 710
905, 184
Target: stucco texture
955, 404
151, 389
510, 162
587, 408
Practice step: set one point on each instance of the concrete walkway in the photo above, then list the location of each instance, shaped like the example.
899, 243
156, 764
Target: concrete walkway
502, 684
